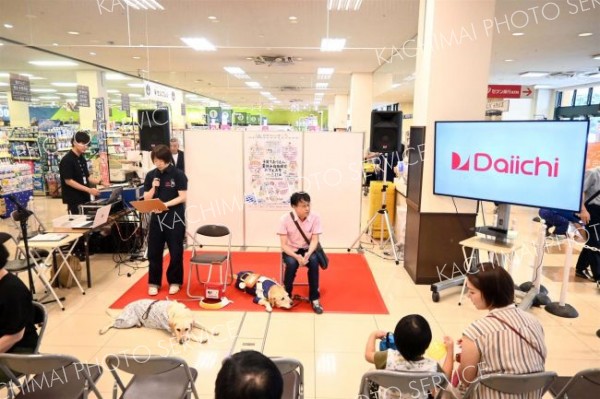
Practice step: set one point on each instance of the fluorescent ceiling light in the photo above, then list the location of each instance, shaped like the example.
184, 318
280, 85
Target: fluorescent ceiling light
112, 91
321, 85
254, 85
144, 4
115, 76
198, 43
319, 94
53, 63
596, 57
344, 5
396, 85
64, 84
518, 34
533, 74
8, 26
3, 84
68, 94
324, 73
585, 34
237, 72
43, 90
331, 44
4, 74
36, 78
265, 93
134, 95
49, 97
138, 85
72, 32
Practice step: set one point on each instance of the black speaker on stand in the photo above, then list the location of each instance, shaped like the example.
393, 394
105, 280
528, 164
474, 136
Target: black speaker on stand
155, 128
386, 131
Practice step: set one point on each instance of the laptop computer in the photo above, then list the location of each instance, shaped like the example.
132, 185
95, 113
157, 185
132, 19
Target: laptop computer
115, 195
100, 218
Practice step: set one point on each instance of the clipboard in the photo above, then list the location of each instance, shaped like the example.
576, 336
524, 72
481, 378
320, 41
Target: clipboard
150, 205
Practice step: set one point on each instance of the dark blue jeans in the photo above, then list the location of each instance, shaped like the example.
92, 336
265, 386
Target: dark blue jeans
291, 268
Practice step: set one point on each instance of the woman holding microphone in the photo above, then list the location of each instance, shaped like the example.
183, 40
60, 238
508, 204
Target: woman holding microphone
168, 184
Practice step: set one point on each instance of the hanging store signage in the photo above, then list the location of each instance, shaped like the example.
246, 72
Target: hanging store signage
213, 115
253, 120
83, 96
125, 104
240, 118
20, 90
154, 91
509, 91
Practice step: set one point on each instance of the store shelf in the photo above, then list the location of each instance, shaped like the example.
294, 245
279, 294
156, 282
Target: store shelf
22, 139
18, 158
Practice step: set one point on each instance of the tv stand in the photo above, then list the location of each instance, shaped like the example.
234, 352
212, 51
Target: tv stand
500, 230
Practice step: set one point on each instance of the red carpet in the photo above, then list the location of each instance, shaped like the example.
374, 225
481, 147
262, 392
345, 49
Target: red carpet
347, 286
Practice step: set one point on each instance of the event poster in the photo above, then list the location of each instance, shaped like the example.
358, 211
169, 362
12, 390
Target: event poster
273, 162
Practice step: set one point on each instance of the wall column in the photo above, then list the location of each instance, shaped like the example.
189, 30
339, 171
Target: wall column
94, 80
18, 112
361, 104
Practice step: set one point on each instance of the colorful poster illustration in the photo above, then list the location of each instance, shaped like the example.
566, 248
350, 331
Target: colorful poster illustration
273, 166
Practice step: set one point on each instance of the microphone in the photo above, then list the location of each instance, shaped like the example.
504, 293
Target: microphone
156, 187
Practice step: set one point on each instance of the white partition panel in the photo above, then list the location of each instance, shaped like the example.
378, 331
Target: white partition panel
332, 174
214, 167
333, 177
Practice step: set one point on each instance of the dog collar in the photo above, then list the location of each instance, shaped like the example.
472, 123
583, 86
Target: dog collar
212, 305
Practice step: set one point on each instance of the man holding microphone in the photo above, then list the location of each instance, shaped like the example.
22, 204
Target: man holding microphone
168, 184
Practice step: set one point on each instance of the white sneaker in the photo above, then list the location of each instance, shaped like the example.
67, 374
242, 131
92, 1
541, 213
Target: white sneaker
152, 290
173, 289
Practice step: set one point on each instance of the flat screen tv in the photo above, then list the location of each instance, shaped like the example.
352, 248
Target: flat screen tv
530, 163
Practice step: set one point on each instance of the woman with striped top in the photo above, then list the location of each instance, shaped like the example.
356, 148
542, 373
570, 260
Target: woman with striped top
508, 340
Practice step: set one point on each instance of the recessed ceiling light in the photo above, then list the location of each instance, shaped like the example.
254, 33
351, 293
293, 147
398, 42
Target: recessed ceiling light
198, 43
73, 32
518, 34
532, 74
55, 44
136, 57
8, 26
1, 44
585, 34
298, 59
293, 20
508, 60
332, 44
92, 53
254, 85
249, 58
212, 17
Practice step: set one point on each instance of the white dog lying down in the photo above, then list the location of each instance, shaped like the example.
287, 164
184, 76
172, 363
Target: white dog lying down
171, 316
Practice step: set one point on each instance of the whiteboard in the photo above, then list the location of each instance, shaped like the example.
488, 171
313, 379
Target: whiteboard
213, 164
333, 178
332, 175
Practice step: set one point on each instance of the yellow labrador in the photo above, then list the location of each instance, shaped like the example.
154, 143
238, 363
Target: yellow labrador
171, 316
267, 292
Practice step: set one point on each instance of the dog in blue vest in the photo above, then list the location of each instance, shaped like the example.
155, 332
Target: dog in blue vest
266, 291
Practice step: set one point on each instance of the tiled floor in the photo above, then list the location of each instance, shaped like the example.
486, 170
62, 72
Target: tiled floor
330, 346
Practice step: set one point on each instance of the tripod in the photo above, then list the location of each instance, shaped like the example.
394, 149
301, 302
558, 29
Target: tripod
384, 215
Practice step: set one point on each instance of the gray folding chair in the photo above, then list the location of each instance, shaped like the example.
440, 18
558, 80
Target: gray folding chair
210, 259
293, 377
416, 385
19, 264
49, 376
154, 377
40, 319
585, 384
513, 383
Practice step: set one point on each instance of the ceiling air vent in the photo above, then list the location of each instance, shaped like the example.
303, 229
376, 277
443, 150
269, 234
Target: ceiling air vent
563, 75
268, 60
290, 88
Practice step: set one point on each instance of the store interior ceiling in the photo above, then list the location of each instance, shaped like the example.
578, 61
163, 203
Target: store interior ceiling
277, 44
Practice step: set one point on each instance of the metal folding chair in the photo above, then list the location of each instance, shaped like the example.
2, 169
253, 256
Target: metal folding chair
210, 259
49, 376
293, 377
513, 383
585, 384
154, 377
414, 385
40, 319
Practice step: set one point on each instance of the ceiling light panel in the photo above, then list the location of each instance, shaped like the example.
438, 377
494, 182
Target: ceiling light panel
344, 5
332, 44
199, 43
57, 63
534, 74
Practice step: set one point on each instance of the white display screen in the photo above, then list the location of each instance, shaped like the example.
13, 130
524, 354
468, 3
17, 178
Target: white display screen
531, 163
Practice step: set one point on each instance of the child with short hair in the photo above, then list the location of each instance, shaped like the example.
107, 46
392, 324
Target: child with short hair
412, 337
